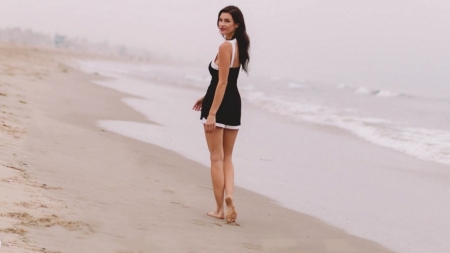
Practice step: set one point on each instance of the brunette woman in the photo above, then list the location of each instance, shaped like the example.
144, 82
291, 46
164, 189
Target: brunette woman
221, 107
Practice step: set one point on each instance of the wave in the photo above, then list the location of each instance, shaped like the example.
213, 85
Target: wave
385, 94
362, 90
376, 93
295, 85
247, 87
426, 144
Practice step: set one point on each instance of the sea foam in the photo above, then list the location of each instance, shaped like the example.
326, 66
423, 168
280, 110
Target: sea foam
426, 144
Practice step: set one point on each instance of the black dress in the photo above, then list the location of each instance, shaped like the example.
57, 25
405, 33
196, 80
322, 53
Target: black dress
229, 113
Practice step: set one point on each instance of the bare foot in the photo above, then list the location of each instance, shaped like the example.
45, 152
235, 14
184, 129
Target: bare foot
216, 214
231, 210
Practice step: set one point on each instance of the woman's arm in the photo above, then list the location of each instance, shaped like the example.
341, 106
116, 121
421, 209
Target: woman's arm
225, 51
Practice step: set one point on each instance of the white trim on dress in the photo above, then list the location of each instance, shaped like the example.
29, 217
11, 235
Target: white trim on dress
222, 125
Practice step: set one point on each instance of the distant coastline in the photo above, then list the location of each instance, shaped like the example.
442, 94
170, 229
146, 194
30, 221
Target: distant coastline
30, 37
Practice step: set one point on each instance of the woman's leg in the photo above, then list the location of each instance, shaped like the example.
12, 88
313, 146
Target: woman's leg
229, 138
215, 146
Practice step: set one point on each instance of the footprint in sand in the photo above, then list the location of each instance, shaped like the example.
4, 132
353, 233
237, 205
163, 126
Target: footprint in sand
202, 223
251, 246
199, 223
179, 204
168, 191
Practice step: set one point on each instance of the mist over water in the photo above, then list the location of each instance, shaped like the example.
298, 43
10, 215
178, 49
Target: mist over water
399, 44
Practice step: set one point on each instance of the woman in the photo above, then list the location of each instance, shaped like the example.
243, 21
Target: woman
221, 107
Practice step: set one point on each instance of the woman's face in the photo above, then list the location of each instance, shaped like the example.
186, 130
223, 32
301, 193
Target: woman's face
226, 25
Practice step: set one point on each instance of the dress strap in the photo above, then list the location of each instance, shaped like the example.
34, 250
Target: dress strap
233, 53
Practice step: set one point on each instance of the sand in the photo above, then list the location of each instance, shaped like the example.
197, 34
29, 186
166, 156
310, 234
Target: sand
67, 185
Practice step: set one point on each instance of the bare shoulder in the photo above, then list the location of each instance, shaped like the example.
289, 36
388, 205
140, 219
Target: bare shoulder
225, 47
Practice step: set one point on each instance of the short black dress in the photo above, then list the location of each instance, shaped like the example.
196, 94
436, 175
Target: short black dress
229, 113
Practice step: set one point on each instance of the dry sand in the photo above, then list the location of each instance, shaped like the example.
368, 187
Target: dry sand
68, 186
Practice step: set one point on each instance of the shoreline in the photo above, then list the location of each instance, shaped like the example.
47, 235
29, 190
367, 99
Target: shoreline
110, 193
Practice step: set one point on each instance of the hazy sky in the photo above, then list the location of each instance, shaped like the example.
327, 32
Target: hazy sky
372, 41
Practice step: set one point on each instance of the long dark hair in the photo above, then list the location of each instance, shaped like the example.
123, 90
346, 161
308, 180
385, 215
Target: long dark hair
240, 34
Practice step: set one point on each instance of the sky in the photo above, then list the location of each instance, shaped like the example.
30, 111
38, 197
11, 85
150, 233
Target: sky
365, 41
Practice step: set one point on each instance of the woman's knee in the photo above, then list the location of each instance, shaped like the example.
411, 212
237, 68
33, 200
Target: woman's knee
217, 157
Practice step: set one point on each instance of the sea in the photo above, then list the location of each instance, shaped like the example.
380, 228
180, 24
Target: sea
346, 110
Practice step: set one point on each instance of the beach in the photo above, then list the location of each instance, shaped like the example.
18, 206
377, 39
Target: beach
68, 185
344, 143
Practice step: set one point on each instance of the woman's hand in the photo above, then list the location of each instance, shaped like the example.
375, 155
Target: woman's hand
210, 124
198, 104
